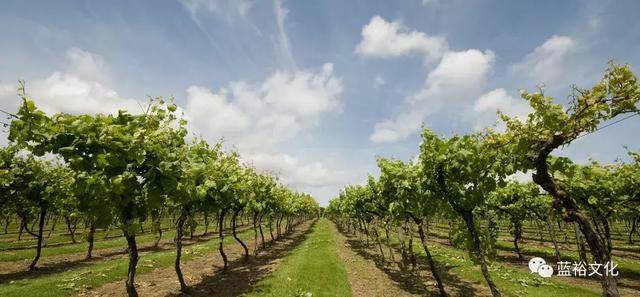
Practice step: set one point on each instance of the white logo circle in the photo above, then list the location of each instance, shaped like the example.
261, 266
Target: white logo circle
534, 263
545, 270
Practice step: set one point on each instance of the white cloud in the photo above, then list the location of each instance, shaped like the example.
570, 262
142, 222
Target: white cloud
384, 39
458, 77
295, 172
88, 66
254, 117
259, 116
211, 112
399, 128
63, 92
283, 44
459, 73
485, 109
522, 177
547, 62
227, 9
79, 90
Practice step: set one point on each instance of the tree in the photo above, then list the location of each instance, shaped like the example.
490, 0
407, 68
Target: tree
413, 199
520, 202
34, 187
125, 162
628, 176
188, 197
551, 126
463, 170
262, 193
222, 186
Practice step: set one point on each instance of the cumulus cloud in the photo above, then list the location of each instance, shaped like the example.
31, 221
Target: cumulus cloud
79, 89
89, 66
547, 62
62, 92
266, 114
522, 177
295, 172
458, 77
260, 118
384, 39
403, 125
485, 110
254, 117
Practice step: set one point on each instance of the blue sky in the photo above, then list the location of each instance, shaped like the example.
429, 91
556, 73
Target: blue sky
314, 90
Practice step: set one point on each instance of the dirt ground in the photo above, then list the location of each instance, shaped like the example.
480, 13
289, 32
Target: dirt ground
204, 274
371, 275
14, 270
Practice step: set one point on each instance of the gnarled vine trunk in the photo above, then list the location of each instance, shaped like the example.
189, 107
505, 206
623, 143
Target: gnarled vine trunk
157, 225
90, 239
572, 213
261, 234
480, 252
517, 235
33, 264
71, 227
271, 230
234, 223
634, 226
206, 224
221, 234
432, 264
255, 233
132, 248
7, 221
178, 240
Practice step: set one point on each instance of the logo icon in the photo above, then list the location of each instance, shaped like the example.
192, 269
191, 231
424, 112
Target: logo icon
545, 270
539, 266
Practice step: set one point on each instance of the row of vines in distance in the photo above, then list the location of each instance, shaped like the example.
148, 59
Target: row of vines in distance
466, 180
126, 169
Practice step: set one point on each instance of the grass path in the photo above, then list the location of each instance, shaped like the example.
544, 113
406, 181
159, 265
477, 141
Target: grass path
312, 269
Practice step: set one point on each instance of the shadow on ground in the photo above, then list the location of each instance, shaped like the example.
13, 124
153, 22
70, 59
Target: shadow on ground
409, 279
240, 277
65, 265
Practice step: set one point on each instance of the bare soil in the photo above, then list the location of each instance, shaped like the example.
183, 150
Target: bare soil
370, 274
205, 276
15, 270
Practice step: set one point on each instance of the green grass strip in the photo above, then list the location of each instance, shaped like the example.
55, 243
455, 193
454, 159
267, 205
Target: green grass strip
510, 281
312, 269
